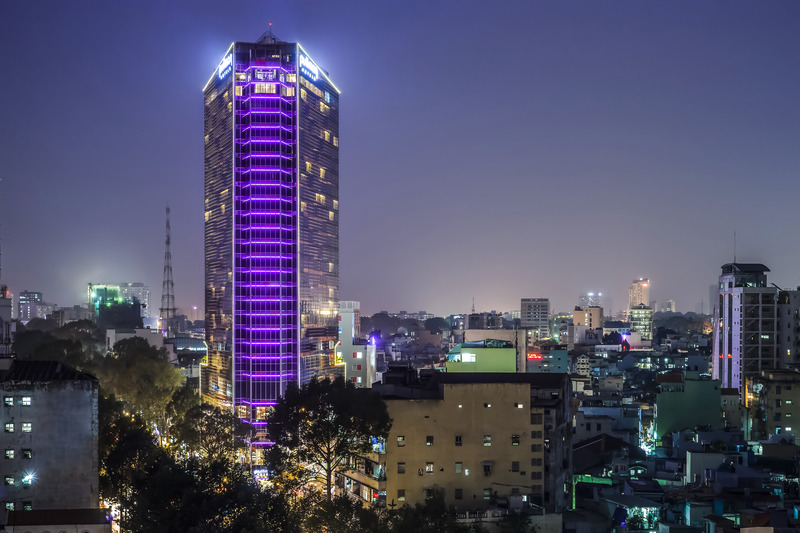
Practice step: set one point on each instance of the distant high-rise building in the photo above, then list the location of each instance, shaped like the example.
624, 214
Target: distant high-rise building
26, 305
271, 226
535, 315
669, 306
591, 299
137, 290
639, 293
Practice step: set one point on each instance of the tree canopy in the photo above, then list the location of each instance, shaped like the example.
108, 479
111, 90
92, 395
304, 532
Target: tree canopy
324, 423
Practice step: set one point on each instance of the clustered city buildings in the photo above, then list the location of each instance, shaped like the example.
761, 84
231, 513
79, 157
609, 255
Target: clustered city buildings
629, 419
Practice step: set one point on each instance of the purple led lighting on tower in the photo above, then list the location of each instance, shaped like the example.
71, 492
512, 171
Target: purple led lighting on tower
271, 226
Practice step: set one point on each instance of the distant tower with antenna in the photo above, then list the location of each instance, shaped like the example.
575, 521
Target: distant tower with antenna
167, 309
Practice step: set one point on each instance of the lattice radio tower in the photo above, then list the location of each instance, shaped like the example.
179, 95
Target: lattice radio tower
167, 309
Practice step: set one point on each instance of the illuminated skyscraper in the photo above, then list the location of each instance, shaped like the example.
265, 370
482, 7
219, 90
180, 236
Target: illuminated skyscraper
271, 225
639, 293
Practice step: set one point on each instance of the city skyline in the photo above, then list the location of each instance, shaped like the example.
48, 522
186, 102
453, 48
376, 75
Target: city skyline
654, 126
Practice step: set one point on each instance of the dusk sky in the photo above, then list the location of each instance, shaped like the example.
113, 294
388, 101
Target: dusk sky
494, 150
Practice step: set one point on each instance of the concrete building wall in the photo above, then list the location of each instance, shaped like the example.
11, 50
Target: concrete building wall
50, 433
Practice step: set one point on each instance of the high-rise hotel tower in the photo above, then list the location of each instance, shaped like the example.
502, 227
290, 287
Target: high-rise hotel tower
271, 225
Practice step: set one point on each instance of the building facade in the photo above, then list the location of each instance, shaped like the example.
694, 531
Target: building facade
639, 293
50, 436
271, 225
535, 315
755, 326
474, 438
355, 355
591, 317
641, 320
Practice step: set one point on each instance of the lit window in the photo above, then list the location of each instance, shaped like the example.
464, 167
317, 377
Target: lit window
321, 172
327, 97
487, 494
331, 216
336, 142
287, 91
459, 467
320, 198
9, 427
308, 167
429, 440
9, 454
27, 479
323, 108
401, 495
487, 405
9, 480
302, 207
487, 440
429, 468
26, 427
336, 204
27, 454
291, 78
327, 135
8, 401
9, 506
515, 440
401, 441
265, 88
26, 400
27, 506
303, 93
261, 413
238, 90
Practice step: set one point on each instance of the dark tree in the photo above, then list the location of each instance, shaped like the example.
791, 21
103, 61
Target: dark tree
436, 325
612, 338
210, 432
323, 424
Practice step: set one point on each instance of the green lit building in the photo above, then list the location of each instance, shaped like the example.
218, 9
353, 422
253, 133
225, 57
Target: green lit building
488, 355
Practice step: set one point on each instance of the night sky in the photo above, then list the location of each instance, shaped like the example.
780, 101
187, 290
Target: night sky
493, 150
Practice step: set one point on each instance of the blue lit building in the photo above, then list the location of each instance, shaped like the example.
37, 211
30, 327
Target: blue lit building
271, 226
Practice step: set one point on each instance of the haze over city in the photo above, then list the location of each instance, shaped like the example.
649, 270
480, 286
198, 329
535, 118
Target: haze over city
538, 149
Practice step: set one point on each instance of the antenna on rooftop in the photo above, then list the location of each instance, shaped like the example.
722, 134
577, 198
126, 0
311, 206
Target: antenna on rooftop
473, 304
734, 246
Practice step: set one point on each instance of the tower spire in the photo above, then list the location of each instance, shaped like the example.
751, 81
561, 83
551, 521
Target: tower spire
167, 309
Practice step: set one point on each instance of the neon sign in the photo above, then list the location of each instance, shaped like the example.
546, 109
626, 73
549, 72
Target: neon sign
308, 68
225, 66
534, 356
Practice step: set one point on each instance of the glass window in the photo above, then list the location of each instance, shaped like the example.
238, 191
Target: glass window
27, 506
401, 441
401, 468
515, 440
459, 494
515, 466
487, 493
336, 141
429, 468
26, 427
401, 495
9, 454
429, 440
9, 506
27, 454
458, 440
487, 440
459, 467
8, 401
9, 480
9, 427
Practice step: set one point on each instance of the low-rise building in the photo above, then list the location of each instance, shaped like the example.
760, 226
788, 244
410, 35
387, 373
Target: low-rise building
475, 438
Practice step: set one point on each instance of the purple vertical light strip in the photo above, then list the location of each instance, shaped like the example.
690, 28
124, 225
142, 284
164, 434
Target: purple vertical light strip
263, 313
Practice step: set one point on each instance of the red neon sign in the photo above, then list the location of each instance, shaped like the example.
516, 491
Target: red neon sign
534, 356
